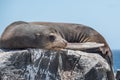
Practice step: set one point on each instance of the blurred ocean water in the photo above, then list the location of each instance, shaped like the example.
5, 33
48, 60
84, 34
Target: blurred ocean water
116, 59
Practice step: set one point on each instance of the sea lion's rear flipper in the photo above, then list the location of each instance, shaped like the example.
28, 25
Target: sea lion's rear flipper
107, 54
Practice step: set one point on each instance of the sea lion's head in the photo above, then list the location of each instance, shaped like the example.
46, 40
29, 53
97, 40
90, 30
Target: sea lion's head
21, 35
49, 38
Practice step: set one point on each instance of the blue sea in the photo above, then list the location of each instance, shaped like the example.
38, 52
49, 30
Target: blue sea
116, 59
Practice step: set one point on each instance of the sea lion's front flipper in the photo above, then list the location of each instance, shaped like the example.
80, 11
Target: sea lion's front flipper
84, 46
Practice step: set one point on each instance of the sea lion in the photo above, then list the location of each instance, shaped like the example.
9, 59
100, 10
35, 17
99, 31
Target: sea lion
50, 35
21, 35
79, 33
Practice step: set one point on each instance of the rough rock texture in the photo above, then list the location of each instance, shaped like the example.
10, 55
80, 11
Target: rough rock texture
38, 64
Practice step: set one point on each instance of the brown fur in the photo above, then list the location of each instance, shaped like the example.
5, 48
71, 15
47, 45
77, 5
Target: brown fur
20, 35
36, 35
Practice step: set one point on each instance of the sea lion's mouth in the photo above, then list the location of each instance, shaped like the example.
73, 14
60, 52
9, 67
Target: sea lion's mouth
57, 45
57, 48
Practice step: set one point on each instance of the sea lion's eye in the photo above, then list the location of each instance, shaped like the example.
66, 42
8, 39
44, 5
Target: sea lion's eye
51, 38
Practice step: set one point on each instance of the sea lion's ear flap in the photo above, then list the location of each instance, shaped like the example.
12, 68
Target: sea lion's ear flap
38, 35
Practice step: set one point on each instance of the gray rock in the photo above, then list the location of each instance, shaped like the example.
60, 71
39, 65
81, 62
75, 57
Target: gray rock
39, 64
118, 74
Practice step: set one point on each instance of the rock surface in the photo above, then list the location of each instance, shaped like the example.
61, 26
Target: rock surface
118, 74
39, 64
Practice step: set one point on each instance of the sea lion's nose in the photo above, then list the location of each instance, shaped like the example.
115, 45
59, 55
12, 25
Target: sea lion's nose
65, 42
